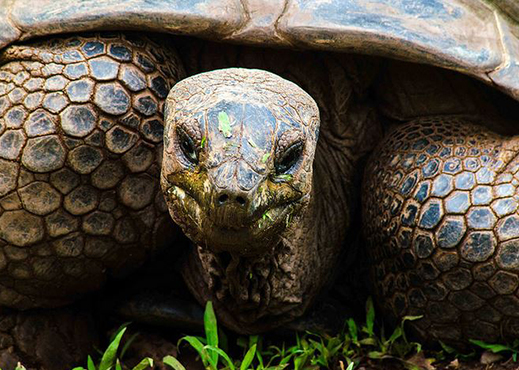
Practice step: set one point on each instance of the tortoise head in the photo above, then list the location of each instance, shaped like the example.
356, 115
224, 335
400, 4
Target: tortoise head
238, 152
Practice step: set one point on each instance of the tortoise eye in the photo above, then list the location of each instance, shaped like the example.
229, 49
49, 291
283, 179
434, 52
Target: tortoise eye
289, 158
187, 145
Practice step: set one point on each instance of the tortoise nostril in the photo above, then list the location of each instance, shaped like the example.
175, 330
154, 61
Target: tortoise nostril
223, 198
240, 200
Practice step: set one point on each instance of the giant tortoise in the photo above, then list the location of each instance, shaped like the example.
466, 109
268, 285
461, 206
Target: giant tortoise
87, 181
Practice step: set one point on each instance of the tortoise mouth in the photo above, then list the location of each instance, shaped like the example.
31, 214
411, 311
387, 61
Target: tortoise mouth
248, 236
262, 233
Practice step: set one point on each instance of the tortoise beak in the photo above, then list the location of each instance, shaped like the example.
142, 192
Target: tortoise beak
232, 209
234, 186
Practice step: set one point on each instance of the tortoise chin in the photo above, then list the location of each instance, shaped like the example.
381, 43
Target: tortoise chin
239, 241
230, 229
253, 236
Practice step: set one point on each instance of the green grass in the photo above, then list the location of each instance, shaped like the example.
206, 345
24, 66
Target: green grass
308, 351
512, 350
110, 360
356, 344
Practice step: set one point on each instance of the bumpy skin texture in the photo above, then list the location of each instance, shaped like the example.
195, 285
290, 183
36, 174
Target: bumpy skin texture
47, 339
232, 200
256, 290
80, 150
80, 144
54, 77
440, 216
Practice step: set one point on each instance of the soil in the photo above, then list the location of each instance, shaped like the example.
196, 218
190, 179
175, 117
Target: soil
462, 365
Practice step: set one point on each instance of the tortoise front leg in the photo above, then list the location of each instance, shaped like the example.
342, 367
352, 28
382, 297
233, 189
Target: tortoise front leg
46, 339
80, 148
442, 226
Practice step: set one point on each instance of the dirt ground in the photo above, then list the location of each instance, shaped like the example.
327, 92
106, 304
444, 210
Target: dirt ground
462, 365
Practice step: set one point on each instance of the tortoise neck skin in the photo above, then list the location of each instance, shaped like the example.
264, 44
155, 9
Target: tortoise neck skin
237, 175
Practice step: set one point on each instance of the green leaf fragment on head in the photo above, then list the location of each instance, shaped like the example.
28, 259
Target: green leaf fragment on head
266, 215
202, 143
288, 220
285, 177
265, 157
224, 124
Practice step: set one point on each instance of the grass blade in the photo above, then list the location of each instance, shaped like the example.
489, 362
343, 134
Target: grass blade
397, 333
495, 348
173, 363
221, 353
145, 363
90, 364
194, 342
108, 358
249, 356
284, 360
121, 327
127, 344
370, 317
211, 330
199, 347
352, 329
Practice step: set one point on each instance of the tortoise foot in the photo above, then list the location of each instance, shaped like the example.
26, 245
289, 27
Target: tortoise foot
441, 221
162, 310
54, 339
